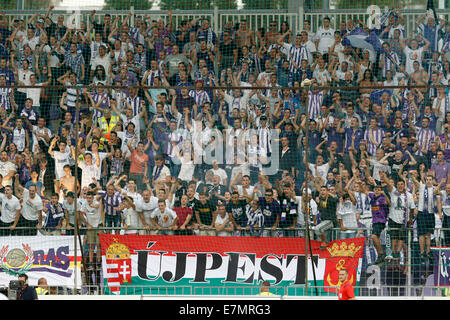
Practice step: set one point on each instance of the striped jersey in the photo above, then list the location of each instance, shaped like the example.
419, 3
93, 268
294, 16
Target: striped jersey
314, 104
5, 98
377, 136
200, 97
111, 203
424, 138
294, 54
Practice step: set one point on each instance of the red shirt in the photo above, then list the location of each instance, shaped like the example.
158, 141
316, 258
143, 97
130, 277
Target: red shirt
346, 291
182, 214
138, 162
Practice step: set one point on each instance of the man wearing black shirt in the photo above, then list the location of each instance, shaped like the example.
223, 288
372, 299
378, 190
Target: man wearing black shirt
228, 52
327, 208
192, 201
26, 292
237, 210
289, 210
396, 162
205, 213
271, 210
287, 157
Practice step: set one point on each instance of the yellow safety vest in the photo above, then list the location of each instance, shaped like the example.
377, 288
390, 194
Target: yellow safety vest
41, 291
106, 126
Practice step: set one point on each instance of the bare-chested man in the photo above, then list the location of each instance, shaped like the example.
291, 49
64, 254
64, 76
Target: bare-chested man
420, 76
244, 36
272, 34
67, 182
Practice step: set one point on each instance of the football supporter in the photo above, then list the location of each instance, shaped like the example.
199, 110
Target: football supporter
176, 158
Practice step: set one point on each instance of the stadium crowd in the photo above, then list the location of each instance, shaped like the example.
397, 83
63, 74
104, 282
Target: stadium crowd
178, 157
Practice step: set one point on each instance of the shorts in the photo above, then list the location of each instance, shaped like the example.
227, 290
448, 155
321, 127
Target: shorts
92, 237
425, 223
4, 228
377, 228
397, 230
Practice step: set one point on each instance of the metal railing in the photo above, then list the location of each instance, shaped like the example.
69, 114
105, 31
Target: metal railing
337, 17
255, 18
407, 287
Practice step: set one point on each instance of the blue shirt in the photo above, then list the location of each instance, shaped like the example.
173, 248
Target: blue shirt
54, 215
359, 134
270, 211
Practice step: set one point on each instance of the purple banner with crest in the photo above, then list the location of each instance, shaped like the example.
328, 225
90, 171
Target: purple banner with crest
441, 266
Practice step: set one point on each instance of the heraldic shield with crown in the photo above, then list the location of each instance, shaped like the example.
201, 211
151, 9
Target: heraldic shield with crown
118, 266
343, 254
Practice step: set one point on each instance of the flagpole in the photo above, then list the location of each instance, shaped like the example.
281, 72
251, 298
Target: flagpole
77, 128
307, 85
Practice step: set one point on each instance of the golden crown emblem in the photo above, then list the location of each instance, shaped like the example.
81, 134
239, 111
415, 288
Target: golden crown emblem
343, 250
117, 251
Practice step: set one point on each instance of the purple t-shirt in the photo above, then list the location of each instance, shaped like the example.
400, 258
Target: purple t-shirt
441, 170
379, 208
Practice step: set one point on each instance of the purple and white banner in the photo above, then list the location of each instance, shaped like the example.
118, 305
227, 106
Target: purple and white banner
441, 266
51, 257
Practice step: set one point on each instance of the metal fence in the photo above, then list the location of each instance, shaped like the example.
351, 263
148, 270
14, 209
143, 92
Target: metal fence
406, 285
255, 18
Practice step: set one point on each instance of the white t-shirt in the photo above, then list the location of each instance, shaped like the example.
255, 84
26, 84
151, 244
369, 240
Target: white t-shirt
165, 219
71, 209
34, 94
219, 221
61, 159
347, 213
249, 190
132, 220
19, 138
93, 215
31, 42
147, 208
9, 208
432, 201
442, 105
5, 168
445, 203
221, 173
239, 103
301, 215
134, 195
377, 167
322, 170
163, 173
187, 169
89, 172
102, 156
36, 139
412, 56
126, 137
326, 39
398, 205
31, 207
24, 76
105, 62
